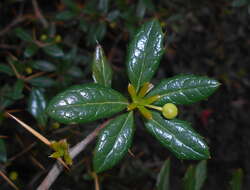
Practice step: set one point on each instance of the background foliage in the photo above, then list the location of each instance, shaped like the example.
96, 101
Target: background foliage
45, 49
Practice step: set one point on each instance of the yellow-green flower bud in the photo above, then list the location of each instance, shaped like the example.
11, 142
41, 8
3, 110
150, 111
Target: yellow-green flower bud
169, 111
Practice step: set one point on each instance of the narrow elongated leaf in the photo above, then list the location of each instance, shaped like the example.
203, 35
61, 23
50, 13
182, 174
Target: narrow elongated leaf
23, 35
44, 66
85, 103
65, 15
189, 179
237, 179
184, 89
113, 142
54, 51
101, 70
195, 176
37, 105
163, 177
200, 174
3, 153
6, 69
44, 82
178, 137
30, 50
144, 53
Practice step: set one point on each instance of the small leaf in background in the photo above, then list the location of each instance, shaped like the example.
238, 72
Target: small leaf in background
200, 174
37, 105
44, 82
113, 15
3, 152
237, 180
163, 177
85, 103
144, 53
23, 35
65, 15
178, 136
189, 179
184, 89
103, 6
75, 72
71, 5
43, 65
113, 142
30, 50
17, 91
195, 176
54, 51
96, 32
140, 9
6, 69
239, 3
5, 99
101, 70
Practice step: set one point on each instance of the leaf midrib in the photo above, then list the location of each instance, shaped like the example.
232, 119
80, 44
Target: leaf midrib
185, 88
175, 137
94, 103
110, 151
144, 56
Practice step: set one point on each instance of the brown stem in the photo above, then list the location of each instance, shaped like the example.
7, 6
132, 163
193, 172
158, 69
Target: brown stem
39, 14
18, 19
8, 181
74, 151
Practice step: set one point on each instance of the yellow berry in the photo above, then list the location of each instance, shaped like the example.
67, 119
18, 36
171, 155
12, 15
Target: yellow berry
169, 111
55, 125
13, 175
58, 38
28, 70
43, 37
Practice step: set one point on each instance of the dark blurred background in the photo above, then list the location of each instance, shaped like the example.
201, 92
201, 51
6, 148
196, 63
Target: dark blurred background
202, 37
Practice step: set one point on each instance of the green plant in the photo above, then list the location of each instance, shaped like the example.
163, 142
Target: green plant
89, 102
195, 177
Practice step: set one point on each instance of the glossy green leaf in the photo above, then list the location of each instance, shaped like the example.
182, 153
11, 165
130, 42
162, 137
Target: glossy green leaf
184, 89
200, 174
44, 82
23, 35
101, 70
113, 142
178, 136
3, 152
44, 66
237, 180
189, 179
85, 103
37, 105
30, 50
144, 53
54, 51
163, 177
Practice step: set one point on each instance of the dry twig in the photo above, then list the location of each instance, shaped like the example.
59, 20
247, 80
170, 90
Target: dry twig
39, 14
8, 181
74, 151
